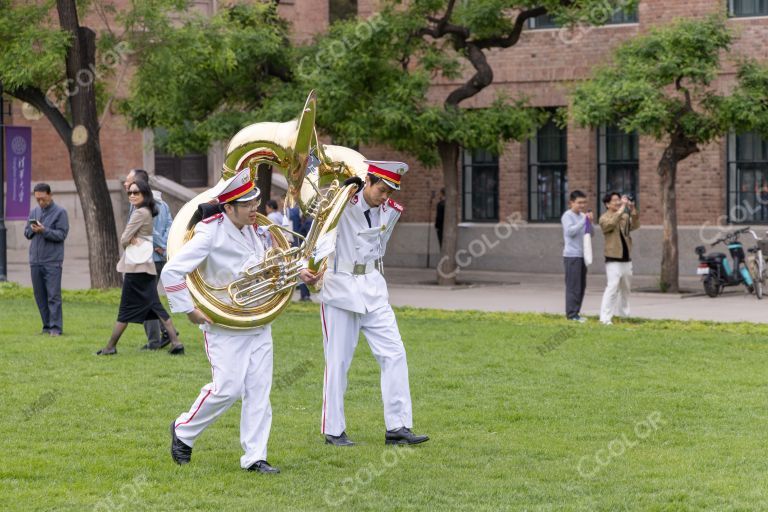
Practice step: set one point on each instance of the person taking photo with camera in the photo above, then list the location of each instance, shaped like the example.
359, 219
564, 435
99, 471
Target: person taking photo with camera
619, 220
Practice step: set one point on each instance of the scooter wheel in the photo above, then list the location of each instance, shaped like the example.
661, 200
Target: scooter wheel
711, 288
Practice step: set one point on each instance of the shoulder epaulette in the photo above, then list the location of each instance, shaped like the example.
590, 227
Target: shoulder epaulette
394, 204
218, 216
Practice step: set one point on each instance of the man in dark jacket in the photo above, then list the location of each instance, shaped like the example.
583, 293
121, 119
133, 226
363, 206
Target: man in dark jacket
47, 228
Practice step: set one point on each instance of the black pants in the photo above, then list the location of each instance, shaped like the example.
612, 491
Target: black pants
46, 284
155, 329
575, 285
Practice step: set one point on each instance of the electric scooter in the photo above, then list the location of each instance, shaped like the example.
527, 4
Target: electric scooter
718, 272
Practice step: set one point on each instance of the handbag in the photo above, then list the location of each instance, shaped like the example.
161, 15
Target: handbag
137, 254
588, 243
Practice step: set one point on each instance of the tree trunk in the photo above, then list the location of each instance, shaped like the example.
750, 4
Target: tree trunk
264, 183
679, 148
85, 150
667, 170
446, 266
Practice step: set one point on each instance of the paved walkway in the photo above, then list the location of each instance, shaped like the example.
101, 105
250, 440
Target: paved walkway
509, 291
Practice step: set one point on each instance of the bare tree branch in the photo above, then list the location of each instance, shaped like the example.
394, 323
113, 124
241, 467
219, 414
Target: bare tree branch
101, 12
447, 16
461, 39
37, 99
514, 35
479, 81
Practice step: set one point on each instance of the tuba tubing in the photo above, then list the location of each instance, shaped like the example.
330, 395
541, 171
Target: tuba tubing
313, 171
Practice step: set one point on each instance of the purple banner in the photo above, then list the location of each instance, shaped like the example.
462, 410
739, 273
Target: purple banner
18, 171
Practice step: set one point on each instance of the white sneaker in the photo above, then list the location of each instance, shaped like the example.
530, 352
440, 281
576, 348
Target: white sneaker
606, 323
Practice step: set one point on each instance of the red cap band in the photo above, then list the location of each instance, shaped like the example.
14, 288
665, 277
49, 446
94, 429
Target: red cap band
238, 192
378, 171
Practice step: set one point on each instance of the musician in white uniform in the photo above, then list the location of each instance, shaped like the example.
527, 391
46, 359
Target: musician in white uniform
354, 298
223, 245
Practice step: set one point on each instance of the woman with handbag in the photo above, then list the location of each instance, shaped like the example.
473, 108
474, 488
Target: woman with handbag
139, 300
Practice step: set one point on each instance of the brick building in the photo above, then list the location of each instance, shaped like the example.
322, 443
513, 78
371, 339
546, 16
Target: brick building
529, 181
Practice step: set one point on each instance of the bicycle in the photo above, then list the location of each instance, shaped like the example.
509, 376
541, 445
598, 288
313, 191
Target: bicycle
756, 264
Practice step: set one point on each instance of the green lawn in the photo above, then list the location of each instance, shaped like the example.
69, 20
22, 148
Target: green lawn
525, 412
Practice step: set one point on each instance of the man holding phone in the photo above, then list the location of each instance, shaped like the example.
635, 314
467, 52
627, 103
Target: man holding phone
47, 228
575, 221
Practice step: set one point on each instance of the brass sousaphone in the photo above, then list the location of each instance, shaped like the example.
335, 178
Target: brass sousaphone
315, 175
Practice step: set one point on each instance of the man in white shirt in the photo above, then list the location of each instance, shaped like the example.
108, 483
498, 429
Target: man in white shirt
241, 359
354, 298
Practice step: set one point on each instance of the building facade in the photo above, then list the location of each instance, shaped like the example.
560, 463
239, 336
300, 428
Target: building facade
510, 205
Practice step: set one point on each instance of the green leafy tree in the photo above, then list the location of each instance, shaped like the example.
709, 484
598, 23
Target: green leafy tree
660, 85
206, 78
375, 79
63, 69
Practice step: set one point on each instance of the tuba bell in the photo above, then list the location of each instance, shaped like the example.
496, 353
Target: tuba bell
316, 174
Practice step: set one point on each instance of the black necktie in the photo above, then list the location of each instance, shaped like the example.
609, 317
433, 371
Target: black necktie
368, 217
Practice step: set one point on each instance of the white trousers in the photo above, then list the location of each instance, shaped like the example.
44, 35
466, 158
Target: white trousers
616, 296
341, 329
241, 367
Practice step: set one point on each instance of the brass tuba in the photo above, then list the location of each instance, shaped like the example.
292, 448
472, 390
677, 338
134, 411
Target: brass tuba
315, 175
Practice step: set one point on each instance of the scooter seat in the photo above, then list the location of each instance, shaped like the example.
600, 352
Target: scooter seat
715, 257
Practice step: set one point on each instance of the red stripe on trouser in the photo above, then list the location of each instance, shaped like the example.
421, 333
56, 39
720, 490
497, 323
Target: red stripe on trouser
193, 414
208, 355
325, 377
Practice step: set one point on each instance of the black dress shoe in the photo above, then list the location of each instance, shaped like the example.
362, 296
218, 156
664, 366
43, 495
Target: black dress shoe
165, 339
262, 466
403, 436
151, 346
180, 452
177, 350
340, 440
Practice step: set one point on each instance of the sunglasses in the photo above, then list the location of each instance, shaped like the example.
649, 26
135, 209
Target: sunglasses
134, 192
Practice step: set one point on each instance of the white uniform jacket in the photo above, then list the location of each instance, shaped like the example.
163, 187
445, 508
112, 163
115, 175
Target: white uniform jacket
220, 251
356, 243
